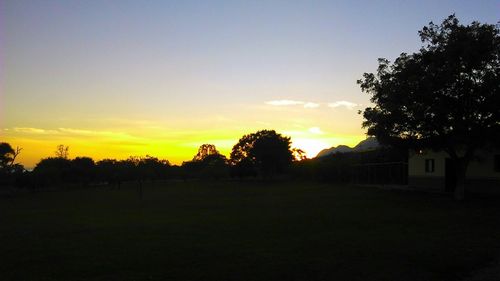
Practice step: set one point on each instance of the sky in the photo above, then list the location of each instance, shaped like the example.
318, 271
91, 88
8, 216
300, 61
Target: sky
112, 79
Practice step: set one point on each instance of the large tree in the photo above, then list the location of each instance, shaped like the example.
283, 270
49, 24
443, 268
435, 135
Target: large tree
53, 171
9, 170
204, 151
444, 97
8, 155
62, 151
266, 150
208, 163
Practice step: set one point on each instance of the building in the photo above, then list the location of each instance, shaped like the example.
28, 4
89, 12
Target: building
433, 170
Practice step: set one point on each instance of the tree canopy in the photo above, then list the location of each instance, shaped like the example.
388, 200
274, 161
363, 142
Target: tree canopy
444, 97
62, 151
266, 150
208, 163
8, 167
204, 151
6, 155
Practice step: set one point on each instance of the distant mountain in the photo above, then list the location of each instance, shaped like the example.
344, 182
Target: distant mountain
370, 143
334, 150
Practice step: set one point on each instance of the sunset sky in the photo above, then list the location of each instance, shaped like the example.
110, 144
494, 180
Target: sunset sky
112, 79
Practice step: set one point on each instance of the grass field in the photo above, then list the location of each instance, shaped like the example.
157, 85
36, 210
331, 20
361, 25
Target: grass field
245, 231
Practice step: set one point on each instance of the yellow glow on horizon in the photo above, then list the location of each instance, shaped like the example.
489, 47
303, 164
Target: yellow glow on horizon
174, 146
312, 146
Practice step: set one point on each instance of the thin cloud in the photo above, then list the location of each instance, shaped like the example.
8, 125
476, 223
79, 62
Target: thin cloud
284, 102
67, 132
316, 130
85, 132
37, 131
347, 104
311, 105
293, 103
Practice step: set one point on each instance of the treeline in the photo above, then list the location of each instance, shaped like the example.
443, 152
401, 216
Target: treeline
84, 171
264, 154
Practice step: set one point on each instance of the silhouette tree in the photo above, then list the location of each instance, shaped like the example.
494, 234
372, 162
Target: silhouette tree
111, 172
214, 166
8, 155
444, 97
152, 168
266, 150
53, 170
208, 163
9, 170
241, 150
62, 151
83, 170
204, 151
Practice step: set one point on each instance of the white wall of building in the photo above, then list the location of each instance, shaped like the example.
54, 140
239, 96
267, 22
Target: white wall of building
482, 166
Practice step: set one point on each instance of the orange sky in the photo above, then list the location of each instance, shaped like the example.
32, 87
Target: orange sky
142, 138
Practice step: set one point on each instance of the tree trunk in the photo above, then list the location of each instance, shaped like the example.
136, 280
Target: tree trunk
461, 169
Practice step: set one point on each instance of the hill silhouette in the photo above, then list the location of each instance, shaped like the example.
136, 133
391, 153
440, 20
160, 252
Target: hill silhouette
368, 144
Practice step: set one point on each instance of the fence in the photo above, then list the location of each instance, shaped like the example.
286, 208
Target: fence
380, 173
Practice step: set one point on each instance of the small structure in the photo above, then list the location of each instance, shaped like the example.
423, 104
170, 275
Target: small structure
434, 170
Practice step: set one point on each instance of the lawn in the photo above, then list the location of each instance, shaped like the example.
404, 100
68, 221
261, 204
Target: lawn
245, 231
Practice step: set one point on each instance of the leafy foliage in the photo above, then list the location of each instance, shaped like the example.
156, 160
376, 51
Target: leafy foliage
9, 170
204, 151
208, 163
445, 97
8, 156
62, 151
266, 150
53, 170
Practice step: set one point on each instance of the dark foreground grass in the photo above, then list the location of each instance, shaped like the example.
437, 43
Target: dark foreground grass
245, 231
